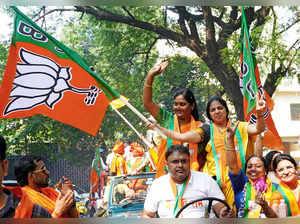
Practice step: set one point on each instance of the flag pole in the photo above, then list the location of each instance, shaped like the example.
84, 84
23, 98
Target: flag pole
133, 128
140, 115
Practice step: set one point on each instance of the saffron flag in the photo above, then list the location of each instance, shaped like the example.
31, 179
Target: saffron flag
250, 85
43, 76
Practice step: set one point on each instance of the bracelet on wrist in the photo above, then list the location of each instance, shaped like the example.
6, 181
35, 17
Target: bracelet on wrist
147, 85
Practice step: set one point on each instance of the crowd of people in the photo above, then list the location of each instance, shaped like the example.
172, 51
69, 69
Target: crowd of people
216, 159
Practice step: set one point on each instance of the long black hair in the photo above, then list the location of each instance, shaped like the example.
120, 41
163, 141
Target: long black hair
190, 98
221, 101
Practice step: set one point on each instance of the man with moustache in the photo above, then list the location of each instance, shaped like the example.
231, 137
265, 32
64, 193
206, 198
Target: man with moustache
170, 192
14, 204
33, 177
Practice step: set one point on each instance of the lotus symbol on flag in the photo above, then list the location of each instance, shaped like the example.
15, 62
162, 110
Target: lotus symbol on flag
39, 80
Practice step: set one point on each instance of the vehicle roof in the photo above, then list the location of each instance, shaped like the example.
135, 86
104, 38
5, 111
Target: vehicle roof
140, 175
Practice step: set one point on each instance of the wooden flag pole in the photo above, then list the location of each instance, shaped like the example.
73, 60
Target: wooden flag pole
140, 115
133, 128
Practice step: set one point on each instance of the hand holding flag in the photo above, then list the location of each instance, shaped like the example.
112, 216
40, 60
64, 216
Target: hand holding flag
260, 105
250, 85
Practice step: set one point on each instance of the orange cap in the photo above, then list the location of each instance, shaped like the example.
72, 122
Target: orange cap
118, 147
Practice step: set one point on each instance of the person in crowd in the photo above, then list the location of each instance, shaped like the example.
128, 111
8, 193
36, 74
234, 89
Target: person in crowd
269, 157
137, 160
33, 177
98, 172
186, 118
215, 160
170, 192
118, 164
109, 158
252, 190
14, 204
288, 189
150, 157
127, 152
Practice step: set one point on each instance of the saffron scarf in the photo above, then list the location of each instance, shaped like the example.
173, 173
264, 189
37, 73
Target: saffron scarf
290, 199
25, 206
178, 196
46, 198
250, 193
165, 143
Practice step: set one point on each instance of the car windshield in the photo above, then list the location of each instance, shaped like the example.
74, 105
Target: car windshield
130, 190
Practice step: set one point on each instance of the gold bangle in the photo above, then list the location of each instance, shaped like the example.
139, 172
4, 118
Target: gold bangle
147, 85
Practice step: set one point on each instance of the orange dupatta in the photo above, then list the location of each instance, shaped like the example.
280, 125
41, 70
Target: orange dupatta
293, 205
25, 206
46, 199
161, 162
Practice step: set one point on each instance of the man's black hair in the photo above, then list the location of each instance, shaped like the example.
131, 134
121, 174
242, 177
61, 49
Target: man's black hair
177, 148
23, 167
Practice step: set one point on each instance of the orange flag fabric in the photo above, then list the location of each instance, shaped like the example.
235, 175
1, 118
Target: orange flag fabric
43, 76
250, 84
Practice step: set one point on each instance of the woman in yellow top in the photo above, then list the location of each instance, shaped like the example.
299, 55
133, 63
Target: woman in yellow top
215, 165
288, 189
184, 119
252, 189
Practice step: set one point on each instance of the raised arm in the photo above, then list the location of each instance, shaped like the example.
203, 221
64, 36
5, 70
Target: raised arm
258, 146
231, 158
260, 122
150, 106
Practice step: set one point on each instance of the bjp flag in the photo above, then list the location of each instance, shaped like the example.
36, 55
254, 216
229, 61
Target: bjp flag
43, 76
250, 85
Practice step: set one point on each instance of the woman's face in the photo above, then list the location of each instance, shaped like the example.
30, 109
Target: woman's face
286, 171
182, 108
255, 169
218, 112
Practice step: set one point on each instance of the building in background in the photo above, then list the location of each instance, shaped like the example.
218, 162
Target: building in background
286, 115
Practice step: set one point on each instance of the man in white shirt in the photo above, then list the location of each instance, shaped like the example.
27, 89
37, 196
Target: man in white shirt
170, 192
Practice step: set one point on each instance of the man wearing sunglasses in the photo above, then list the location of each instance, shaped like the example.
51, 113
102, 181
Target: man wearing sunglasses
13, 202
33, 177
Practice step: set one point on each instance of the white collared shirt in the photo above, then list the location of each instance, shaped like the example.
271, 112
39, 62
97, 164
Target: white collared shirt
160, 197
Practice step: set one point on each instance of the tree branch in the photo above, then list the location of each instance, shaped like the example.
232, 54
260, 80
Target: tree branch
181, 20
127, 11
51, 11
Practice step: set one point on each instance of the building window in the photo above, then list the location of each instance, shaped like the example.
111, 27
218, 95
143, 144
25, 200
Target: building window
295, 112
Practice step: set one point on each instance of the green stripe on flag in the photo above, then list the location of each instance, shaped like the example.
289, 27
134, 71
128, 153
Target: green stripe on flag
43, 39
